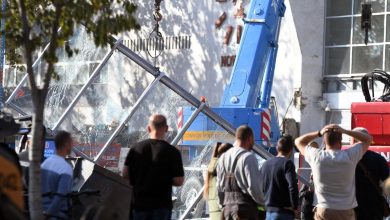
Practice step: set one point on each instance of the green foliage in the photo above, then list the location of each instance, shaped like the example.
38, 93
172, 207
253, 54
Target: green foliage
31, 24
101, 18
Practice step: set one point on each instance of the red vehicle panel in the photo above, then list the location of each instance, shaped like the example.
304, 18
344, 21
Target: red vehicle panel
375, 117
372, 122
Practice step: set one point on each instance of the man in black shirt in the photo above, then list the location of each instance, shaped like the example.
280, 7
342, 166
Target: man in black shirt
369, 200
153, 166
279, 183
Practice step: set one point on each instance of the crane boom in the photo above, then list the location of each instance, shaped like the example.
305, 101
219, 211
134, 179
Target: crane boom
246, 98
252, 75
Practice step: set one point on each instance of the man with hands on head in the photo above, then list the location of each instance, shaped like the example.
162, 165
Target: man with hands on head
334, 171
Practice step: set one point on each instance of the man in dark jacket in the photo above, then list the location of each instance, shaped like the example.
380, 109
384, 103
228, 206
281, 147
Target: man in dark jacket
369, 200
279, 183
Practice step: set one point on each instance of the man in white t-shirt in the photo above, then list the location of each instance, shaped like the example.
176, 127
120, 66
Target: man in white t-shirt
334, 171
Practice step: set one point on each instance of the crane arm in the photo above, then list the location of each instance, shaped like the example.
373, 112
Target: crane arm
252, 75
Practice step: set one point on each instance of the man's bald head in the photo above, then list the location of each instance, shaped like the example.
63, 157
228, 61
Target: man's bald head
157, 121
244, 137
157, 126
359, 129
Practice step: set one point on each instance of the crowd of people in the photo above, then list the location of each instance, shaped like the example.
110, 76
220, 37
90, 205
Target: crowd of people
345, 184
237, 188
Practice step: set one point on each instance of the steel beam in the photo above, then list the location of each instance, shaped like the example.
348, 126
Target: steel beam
145, 93
17, 109
188, 124
138, 60
85, 86
186, 95
82, 154
210, 113
192, 206
26, 75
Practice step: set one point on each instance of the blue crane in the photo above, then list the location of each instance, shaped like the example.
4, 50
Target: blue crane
247, 96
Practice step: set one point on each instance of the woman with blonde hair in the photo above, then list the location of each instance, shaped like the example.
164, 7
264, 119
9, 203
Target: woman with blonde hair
210, 190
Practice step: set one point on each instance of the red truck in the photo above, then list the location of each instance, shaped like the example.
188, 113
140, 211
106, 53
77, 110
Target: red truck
374, 114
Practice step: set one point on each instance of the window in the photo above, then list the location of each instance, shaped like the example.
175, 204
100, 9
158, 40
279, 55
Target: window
13, 75
9, 77
345, 51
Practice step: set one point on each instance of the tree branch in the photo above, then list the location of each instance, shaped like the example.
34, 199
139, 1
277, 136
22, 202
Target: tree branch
52, 50
27, 47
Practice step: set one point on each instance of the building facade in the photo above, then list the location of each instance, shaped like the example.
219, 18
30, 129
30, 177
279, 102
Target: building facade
321, 58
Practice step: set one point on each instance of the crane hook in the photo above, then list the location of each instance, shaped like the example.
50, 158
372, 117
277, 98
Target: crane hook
366, 20
157, 16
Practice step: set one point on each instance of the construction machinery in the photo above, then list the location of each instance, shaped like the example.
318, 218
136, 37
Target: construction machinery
247, 97
374, 114
104, 97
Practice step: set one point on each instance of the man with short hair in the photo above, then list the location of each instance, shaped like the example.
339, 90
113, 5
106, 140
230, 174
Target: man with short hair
153, 166
279, 182
238, 179
370, 201
334, 171
57, 177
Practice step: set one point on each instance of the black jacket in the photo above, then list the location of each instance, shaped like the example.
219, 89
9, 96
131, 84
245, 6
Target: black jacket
306, 196
369, 201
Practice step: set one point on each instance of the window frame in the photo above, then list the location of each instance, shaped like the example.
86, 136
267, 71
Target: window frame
351, 46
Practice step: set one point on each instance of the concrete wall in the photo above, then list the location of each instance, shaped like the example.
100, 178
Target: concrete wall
309, 16
198, 68
288, 67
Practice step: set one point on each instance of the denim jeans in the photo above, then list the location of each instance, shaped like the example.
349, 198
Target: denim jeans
154, 214
279, 216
